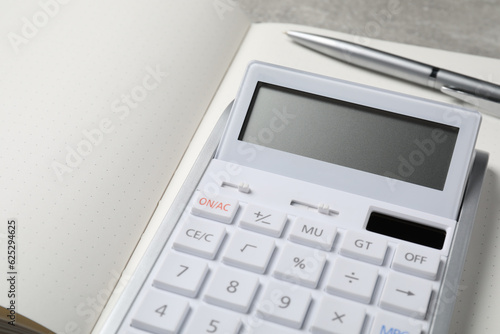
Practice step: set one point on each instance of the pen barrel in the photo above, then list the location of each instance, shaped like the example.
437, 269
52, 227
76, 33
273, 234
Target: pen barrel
472, 86
389, 64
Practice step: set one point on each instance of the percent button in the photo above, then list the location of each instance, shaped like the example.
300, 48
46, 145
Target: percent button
301, 265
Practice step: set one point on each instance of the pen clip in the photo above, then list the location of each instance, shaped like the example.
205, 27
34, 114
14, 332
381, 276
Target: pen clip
490, 107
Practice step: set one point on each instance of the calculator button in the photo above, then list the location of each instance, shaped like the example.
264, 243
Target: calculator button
364, 246
406, 295
221, 209
263, 220
208, 319
313, 233
417, 261
284, 304
200, 238
300, 265
249, 251
390, 323
337, 316
160, 313
181, 274
352, 280
232, 289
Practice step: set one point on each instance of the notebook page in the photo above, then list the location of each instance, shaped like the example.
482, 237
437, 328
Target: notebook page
99, 102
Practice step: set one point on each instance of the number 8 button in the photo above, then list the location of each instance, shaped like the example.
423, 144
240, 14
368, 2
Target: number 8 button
232, 289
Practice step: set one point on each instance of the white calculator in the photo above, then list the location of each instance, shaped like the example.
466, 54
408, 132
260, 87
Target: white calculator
326, 207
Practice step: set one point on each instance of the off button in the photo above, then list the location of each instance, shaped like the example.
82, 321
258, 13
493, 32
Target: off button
418, 261
221, 209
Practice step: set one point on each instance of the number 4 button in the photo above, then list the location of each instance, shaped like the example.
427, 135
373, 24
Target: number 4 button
160, 313
211, 320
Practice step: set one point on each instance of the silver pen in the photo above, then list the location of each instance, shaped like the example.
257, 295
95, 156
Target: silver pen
482, 94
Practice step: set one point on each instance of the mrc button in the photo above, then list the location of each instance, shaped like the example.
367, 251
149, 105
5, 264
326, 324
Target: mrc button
418, 261
221, 209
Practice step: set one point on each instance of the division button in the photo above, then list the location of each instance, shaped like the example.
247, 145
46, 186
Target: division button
353, 280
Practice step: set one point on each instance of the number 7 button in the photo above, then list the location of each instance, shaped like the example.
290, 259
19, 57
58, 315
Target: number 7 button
181, 274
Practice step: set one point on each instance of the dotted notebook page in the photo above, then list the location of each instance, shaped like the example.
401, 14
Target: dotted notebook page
99, 102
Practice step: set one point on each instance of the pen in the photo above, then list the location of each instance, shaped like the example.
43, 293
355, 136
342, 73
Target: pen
477, 92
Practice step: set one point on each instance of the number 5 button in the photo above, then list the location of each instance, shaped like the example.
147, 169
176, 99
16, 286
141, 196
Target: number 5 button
213, 320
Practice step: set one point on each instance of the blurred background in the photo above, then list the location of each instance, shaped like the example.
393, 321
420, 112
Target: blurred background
466, 26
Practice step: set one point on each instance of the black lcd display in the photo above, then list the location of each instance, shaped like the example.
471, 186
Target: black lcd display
372, 140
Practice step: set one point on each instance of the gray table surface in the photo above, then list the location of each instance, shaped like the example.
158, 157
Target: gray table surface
464, 26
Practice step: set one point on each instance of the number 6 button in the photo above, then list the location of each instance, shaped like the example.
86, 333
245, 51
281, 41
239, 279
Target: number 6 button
232, 289
213, 320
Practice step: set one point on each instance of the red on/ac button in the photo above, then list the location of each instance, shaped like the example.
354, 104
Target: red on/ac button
218, 208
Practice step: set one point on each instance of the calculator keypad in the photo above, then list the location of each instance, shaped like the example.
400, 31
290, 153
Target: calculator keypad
255, 274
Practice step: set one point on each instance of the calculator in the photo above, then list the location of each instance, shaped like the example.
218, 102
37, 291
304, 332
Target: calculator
324, 206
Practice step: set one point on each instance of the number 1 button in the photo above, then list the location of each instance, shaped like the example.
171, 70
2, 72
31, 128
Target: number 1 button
160, 313
213, 320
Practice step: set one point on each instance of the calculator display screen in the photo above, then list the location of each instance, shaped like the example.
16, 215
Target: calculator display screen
351, 135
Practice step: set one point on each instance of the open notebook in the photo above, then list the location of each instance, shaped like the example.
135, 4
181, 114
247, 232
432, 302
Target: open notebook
104, 108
